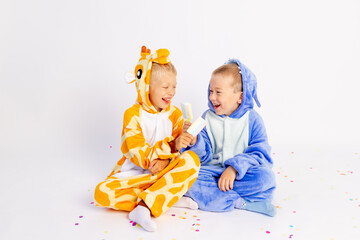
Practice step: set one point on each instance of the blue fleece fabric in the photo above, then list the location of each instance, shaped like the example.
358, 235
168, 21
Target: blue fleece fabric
255, 180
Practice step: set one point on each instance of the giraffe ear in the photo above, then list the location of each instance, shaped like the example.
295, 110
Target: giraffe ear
129, 77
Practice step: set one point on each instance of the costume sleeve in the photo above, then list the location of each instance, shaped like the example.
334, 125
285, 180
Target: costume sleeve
202, 147
133, 144
258, 151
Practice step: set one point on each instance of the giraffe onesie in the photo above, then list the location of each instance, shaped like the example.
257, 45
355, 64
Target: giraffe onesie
146, 136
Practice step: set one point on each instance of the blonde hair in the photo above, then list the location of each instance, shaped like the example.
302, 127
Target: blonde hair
232, 70
158, 69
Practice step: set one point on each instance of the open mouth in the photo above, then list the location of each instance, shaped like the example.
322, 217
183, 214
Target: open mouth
166, 100
216, 106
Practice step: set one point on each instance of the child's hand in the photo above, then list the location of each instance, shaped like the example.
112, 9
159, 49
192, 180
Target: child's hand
226, 180
187, 124
183, 141
185, 128
157, 165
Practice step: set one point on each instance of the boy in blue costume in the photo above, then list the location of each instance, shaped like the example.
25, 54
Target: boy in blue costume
236, 166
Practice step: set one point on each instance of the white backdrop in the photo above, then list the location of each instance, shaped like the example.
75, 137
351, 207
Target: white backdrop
62, 63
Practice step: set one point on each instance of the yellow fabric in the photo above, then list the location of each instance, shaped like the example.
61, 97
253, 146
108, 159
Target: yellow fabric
159, 192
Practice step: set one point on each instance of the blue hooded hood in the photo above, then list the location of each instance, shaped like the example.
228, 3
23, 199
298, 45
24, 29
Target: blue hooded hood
249, 84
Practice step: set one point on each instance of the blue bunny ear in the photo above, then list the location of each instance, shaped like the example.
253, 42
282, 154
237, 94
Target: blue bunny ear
257, 100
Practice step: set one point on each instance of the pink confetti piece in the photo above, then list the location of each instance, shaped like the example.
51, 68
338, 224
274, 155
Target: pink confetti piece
268, 232
110, 146
76, 224
291, 236
173, 215
198, 219
134, 223
92, 203
294, 211
80, 216
197, 230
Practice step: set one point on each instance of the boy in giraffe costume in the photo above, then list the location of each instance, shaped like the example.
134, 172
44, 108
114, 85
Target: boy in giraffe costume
152, 175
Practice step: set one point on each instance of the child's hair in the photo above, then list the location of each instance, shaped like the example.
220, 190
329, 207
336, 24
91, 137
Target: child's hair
231, 69
159, 69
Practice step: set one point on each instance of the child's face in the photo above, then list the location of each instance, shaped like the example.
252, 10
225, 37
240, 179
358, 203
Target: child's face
162, 89
222, 95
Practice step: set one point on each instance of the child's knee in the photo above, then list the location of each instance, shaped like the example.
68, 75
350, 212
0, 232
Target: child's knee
191, 159
101, 197
267, 177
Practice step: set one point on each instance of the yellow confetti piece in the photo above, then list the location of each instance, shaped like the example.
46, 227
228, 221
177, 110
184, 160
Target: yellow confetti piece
105, 231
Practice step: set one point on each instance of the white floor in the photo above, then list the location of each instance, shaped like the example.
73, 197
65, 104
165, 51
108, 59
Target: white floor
318, 197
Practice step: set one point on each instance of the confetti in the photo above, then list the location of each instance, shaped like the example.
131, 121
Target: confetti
80, 216
291, 236
76, 224
110, 146
92, 203
268, 232
173, 215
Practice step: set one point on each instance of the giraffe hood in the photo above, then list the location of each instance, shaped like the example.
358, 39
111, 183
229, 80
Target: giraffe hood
143, 73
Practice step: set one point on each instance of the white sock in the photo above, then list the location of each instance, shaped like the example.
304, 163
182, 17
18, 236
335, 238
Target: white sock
186, 202
141, 215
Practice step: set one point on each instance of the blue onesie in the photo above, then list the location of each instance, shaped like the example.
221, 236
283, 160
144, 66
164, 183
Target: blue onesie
240, 141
